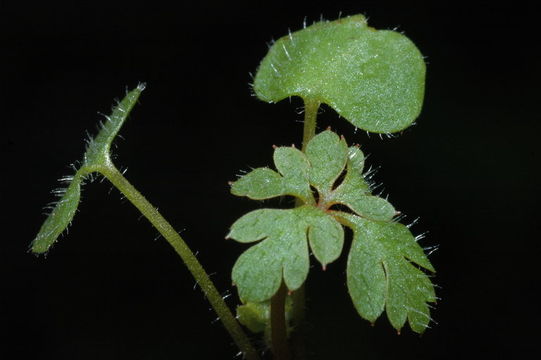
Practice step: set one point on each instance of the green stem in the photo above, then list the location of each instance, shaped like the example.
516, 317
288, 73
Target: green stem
280, 347
311, 107
298, 314
309, 131
194, 266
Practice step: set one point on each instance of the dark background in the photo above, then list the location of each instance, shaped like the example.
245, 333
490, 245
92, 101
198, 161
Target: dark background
469, 169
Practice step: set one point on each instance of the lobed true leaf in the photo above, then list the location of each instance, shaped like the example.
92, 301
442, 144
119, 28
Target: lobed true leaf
381, 273
282, 252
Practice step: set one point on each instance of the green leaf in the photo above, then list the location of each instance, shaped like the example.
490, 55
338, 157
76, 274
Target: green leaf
259, 184
59, 218
327, 154
295, 168
255, 316
354, 192
291, 163
381, 274
264, 183
367, 206
95, 158
354, 179
283, 251
97, 152
325, 159
258, 271
373, 78
326, 238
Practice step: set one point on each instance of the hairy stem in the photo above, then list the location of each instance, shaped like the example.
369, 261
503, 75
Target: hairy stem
194, 266
311, 107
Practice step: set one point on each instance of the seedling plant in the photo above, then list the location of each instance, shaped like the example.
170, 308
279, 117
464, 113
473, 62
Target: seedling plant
375, 80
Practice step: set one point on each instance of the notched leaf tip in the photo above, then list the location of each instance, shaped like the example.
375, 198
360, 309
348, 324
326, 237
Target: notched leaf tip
391, 99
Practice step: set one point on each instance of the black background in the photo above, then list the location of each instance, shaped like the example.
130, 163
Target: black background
469, 169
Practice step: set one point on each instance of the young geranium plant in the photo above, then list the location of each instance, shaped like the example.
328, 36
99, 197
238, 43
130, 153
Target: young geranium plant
381, 269
375, 80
